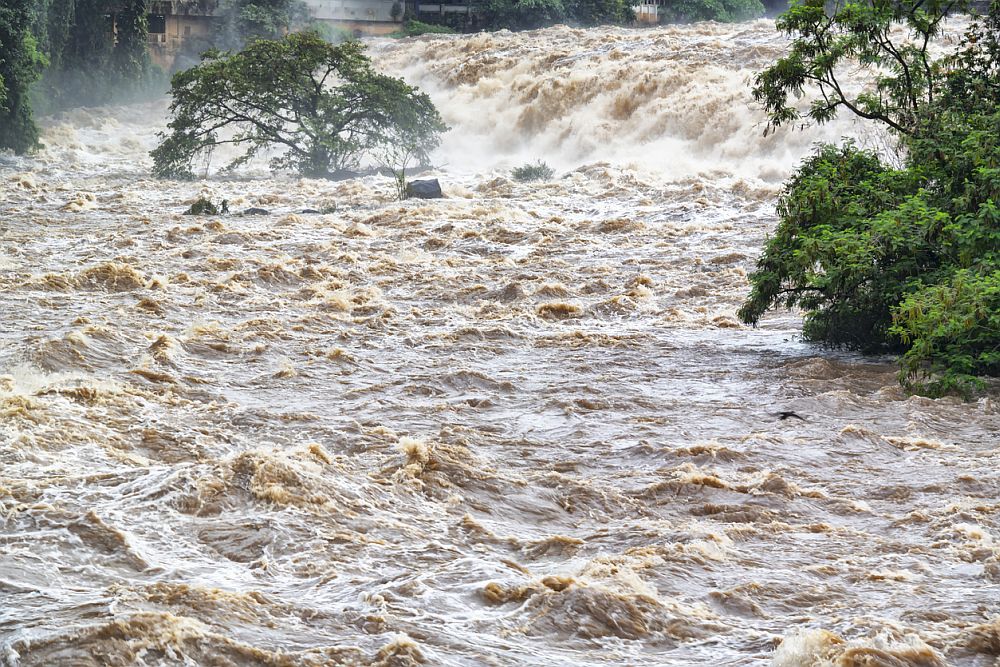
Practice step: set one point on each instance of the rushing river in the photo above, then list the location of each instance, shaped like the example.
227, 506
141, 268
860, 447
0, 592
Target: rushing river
517, 426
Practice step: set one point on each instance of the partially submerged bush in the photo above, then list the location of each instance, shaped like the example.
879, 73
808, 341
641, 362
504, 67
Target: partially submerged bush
953, 330
202, 206
539, 171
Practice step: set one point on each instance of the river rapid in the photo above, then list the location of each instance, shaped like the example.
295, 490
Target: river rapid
517, 426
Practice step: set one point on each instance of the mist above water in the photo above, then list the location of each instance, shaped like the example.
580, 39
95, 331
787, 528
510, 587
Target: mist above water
517, 426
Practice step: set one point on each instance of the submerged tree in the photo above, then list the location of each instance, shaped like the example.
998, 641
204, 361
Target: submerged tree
323, 105
892, 258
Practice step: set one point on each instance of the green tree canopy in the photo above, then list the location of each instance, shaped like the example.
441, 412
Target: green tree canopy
322, 104
902, 258
859, 34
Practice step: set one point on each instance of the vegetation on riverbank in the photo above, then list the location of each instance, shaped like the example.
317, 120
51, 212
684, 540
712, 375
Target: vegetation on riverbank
20, 65
882, 257
414, 28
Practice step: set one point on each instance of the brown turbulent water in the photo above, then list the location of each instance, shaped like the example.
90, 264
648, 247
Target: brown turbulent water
519, 426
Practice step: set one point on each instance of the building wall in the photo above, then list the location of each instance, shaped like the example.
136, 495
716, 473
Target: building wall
648, 11
352, 10
164, 47
363, 28
187, 21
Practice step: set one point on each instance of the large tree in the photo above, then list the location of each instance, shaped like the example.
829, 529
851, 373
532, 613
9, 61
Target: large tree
902, 257
323, 105
888, 40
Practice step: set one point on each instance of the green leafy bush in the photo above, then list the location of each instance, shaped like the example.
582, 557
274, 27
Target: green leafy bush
202, 206
892, 259
725, 11
953, 330
539, 171
414, 28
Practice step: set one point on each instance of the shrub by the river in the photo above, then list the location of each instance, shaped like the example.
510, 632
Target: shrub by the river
202, 206
881, 258
538, 171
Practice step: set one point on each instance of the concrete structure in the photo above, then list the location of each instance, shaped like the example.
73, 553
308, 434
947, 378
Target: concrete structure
648, 11
176, 23
184, 27
374, 17
361, 17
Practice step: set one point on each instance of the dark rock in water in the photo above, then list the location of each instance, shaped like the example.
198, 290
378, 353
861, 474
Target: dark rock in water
429, 189
256, 211
308, 211
229, 238
510, 293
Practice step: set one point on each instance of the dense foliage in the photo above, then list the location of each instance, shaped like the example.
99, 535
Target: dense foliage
322, 104
20, 64
97, 51
414, 28
530, 14
242, 21
900, 258
726, 11
521, 14
598, 12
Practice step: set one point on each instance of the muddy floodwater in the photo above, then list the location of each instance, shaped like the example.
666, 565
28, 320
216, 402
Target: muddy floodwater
517, 426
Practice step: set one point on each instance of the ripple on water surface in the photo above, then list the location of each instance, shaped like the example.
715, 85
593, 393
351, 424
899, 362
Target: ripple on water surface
520, 425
